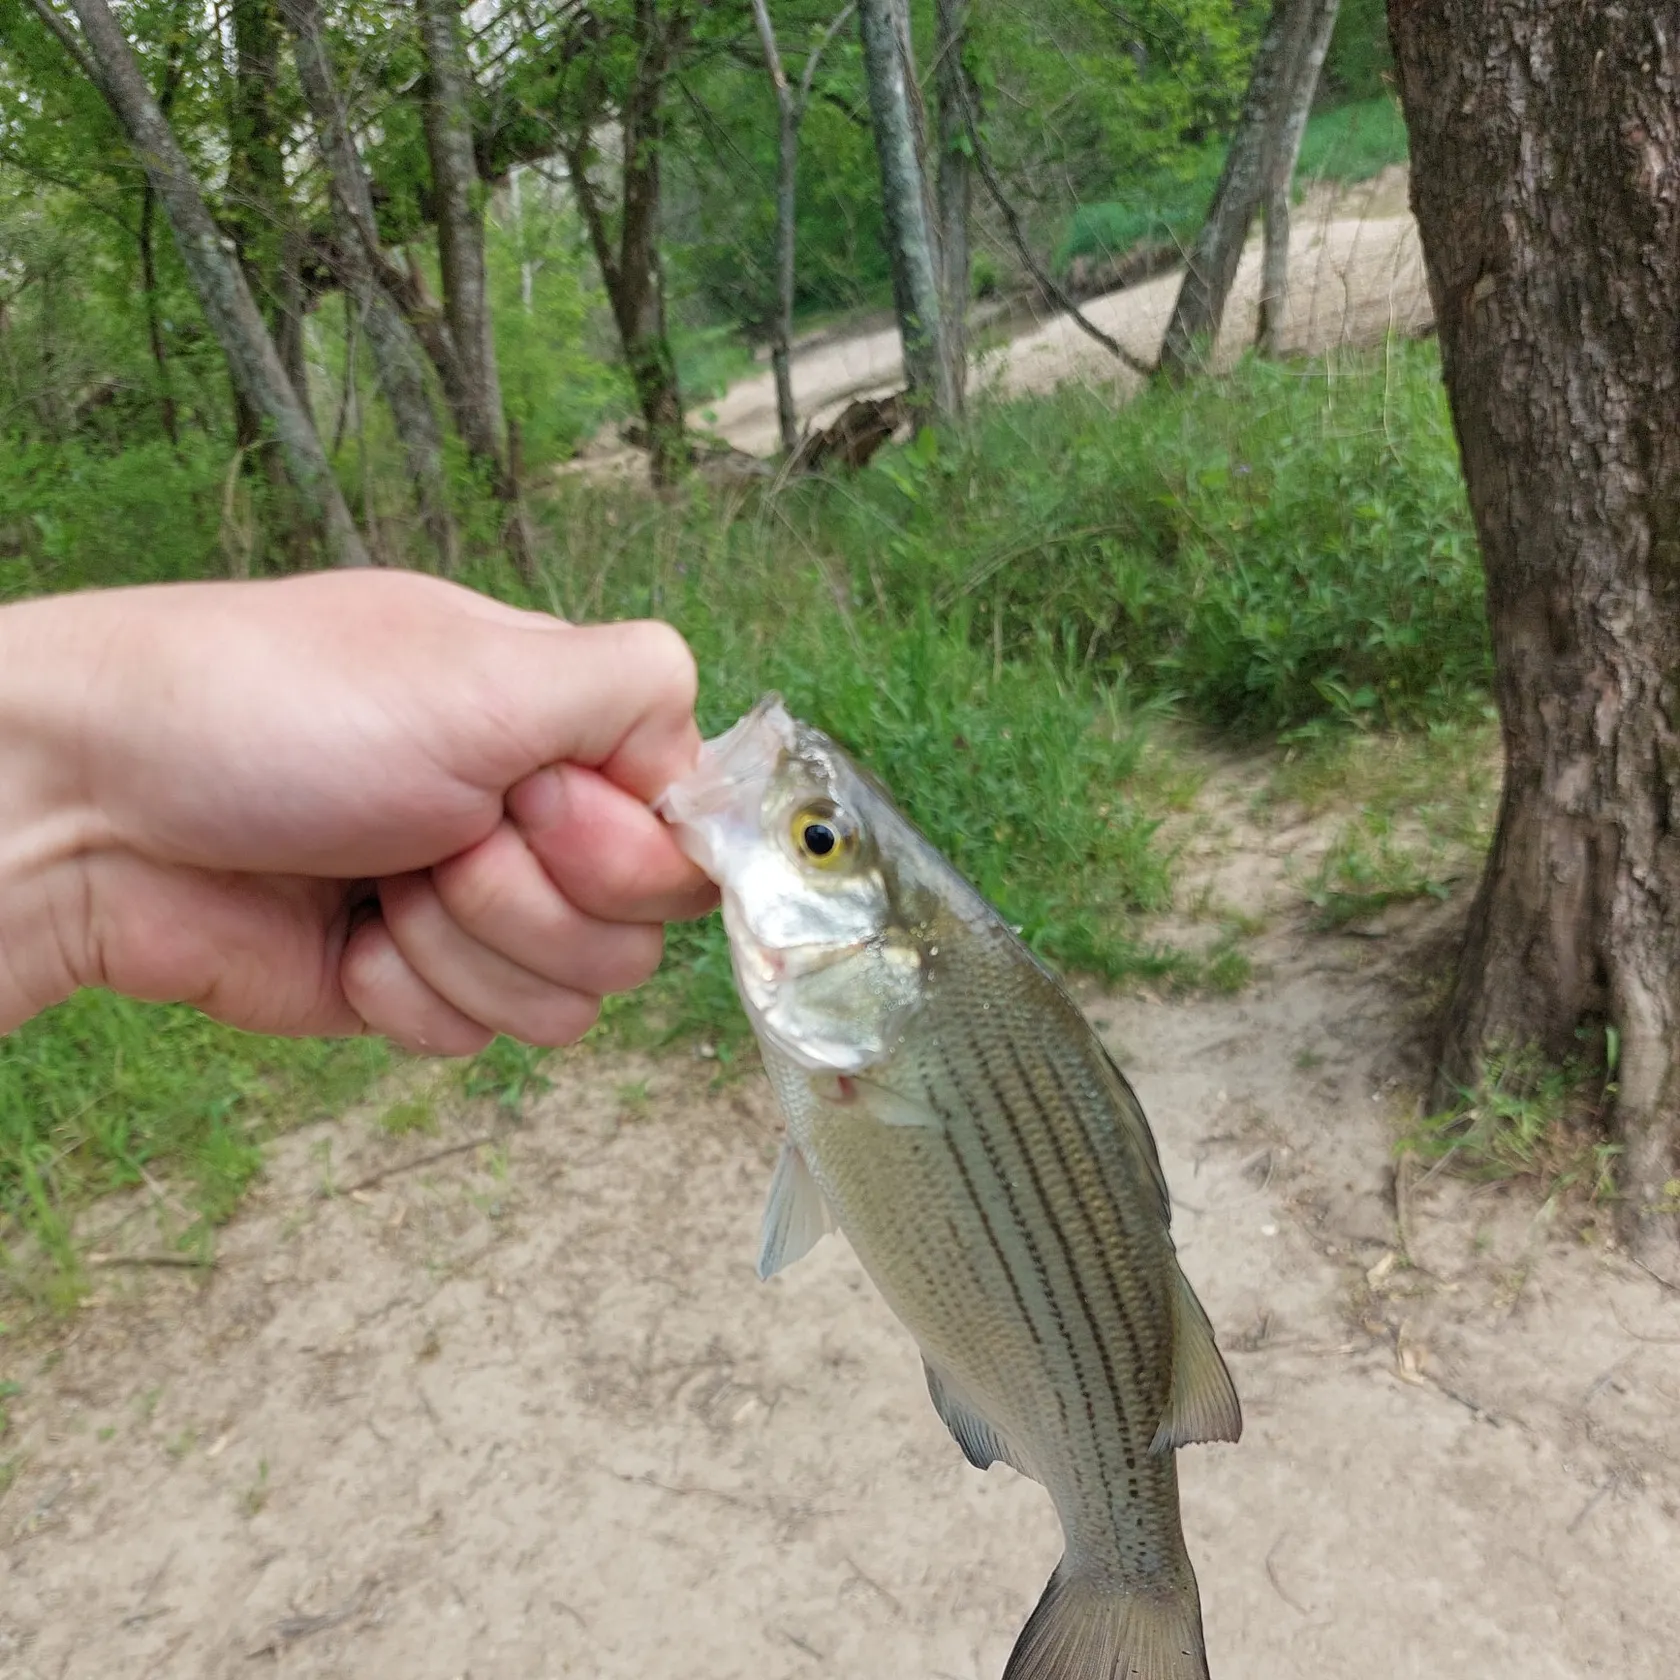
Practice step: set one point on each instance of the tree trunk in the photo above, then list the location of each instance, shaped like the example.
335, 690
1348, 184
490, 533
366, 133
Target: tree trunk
1546, 151
148, 254
1280, 173
1212, 265
221, 288
397, 354
458, 202
790, 109
956, 97
631, 270
911, 248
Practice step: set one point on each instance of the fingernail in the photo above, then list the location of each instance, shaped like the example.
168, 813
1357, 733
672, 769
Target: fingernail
539, 800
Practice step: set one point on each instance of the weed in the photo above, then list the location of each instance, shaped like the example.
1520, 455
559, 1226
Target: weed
256, 1495
1524, 1117
633, 1097
508, 1071
8, 1391
413, 1114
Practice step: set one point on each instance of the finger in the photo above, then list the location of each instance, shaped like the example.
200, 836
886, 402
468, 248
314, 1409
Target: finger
393, 1000
482, 984
606, 852
499, 895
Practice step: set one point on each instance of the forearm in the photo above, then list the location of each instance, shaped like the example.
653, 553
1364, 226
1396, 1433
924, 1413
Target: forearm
47, 828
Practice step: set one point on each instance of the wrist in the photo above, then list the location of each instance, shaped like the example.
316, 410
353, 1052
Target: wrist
48, 826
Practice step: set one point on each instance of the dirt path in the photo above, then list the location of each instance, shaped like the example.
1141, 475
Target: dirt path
1356, 273
525, 1412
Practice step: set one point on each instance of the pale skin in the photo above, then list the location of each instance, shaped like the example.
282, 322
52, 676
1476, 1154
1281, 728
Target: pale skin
335, 804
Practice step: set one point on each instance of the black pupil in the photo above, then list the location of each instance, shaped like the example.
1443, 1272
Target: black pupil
820, 839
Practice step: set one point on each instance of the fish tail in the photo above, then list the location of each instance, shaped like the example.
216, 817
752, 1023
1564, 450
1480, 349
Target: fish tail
1088, 1629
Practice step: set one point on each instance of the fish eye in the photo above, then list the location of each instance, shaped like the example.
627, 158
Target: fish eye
823, 834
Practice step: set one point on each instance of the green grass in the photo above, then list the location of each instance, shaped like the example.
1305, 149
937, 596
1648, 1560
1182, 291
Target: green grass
1349, 144
1525, 1118
100, 1092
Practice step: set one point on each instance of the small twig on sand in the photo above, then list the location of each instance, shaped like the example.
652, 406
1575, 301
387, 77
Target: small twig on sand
186, 1262
373, 1178
1604, 1487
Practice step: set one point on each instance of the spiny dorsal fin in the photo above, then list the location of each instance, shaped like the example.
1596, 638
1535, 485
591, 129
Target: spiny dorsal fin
981, 1444
1203, 1405
795, 1215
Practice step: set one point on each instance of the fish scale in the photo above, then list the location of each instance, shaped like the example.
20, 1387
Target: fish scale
950, 1109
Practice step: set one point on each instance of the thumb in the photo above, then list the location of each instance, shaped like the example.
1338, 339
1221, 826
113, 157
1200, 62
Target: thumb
617, 698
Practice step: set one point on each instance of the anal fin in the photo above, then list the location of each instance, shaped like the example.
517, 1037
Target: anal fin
982, 1445
795, 1215
1203, 1405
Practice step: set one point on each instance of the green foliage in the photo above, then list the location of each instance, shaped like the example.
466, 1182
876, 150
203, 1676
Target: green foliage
100, 1091
1359, 64
1524, 1117
1279, 548
1165, 204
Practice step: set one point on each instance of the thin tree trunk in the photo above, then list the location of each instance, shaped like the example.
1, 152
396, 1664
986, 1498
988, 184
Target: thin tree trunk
458, 197
1218, 248
1280, 174
221, 288
790, 107
398, 357
458, 200
154, 318
1546, 146
955, 98
911, 242
354, 197
631, 269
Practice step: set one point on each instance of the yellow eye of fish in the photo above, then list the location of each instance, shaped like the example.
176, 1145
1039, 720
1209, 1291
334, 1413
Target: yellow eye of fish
823, 835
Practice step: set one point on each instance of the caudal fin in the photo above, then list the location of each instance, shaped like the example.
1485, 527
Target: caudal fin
1087, 1630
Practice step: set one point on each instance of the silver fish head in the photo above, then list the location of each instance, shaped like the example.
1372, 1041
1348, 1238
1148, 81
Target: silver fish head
828, 963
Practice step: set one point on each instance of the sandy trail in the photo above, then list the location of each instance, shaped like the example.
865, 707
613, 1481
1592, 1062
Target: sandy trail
526, 1412
1356, 274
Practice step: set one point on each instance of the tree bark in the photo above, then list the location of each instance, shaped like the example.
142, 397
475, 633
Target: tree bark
1212, 265
791, 106
956, 101
458, 204
912, 249
1280, 172
398, 358
631, 269
221, 288
1546, 181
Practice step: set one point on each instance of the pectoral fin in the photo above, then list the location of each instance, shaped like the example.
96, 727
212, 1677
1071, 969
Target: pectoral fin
1203, 1405
795, 1216
982, 1445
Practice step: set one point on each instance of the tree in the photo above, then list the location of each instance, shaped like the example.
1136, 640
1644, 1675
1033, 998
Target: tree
221, 288
367, 276
629, 257
1280, 92
791, 104
1280, 172
1545, 150
911, 238
956, 107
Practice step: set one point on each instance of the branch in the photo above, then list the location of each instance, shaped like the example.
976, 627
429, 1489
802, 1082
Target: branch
814, 57
1038, 271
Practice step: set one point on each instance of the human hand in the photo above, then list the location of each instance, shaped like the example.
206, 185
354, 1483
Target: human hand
339, 802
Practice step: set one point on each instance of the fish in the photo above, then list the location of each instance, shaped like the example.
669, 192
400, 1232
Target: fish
949, 1109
